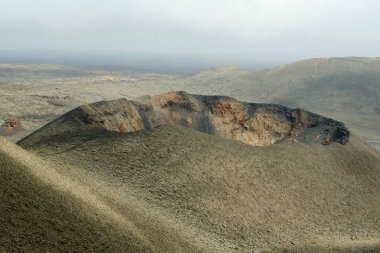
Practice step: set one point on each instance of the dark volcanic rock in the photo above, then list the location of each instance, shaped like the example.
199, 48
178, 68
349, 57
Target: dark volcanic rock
254, 124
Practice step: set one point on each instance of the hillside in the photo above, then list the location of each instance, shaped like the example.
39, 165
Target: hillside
45, 211
218, 195
322, 79
188, 191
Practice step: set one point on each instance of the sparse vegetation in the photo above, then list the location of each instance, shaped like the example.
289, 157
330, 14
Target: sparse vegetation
346, 89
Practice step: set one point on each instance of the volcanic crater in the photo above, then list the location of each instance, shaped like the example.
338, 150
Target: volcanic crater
250, 123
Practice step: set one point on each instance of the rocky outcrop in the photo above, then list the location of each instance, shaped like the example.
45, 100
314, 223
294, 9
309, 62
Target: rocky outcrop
254, 124
116, 115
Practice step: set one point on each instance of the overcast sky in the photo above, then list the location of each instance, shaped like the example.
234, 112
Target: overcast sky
231, 31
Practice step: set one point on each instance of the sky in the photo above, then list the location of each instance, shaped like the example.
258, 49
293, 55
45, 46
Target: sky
219, 32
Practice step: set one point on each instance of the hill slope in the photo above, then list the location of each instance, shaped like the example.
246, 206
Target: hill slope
219, 195
45, 211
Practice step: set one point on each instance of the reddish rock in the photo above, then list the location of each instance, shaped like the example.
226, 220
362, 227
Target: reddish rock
10, 127
12, 122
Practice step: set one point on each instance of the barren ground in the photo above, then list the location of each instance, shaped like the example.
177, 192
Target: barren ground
346, 89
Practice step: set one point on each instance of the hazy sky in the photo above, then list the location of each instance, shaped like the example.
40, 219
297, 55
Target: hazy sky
232, 31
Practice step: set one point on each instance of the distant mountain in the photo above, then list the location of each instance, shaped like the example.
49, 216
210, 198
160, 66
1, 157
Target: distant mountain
336, 85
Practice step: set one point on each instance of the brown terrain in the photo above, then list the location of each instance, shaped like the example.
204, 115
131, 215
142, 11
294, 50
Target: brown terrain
181, 190
44, 211
177, 172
